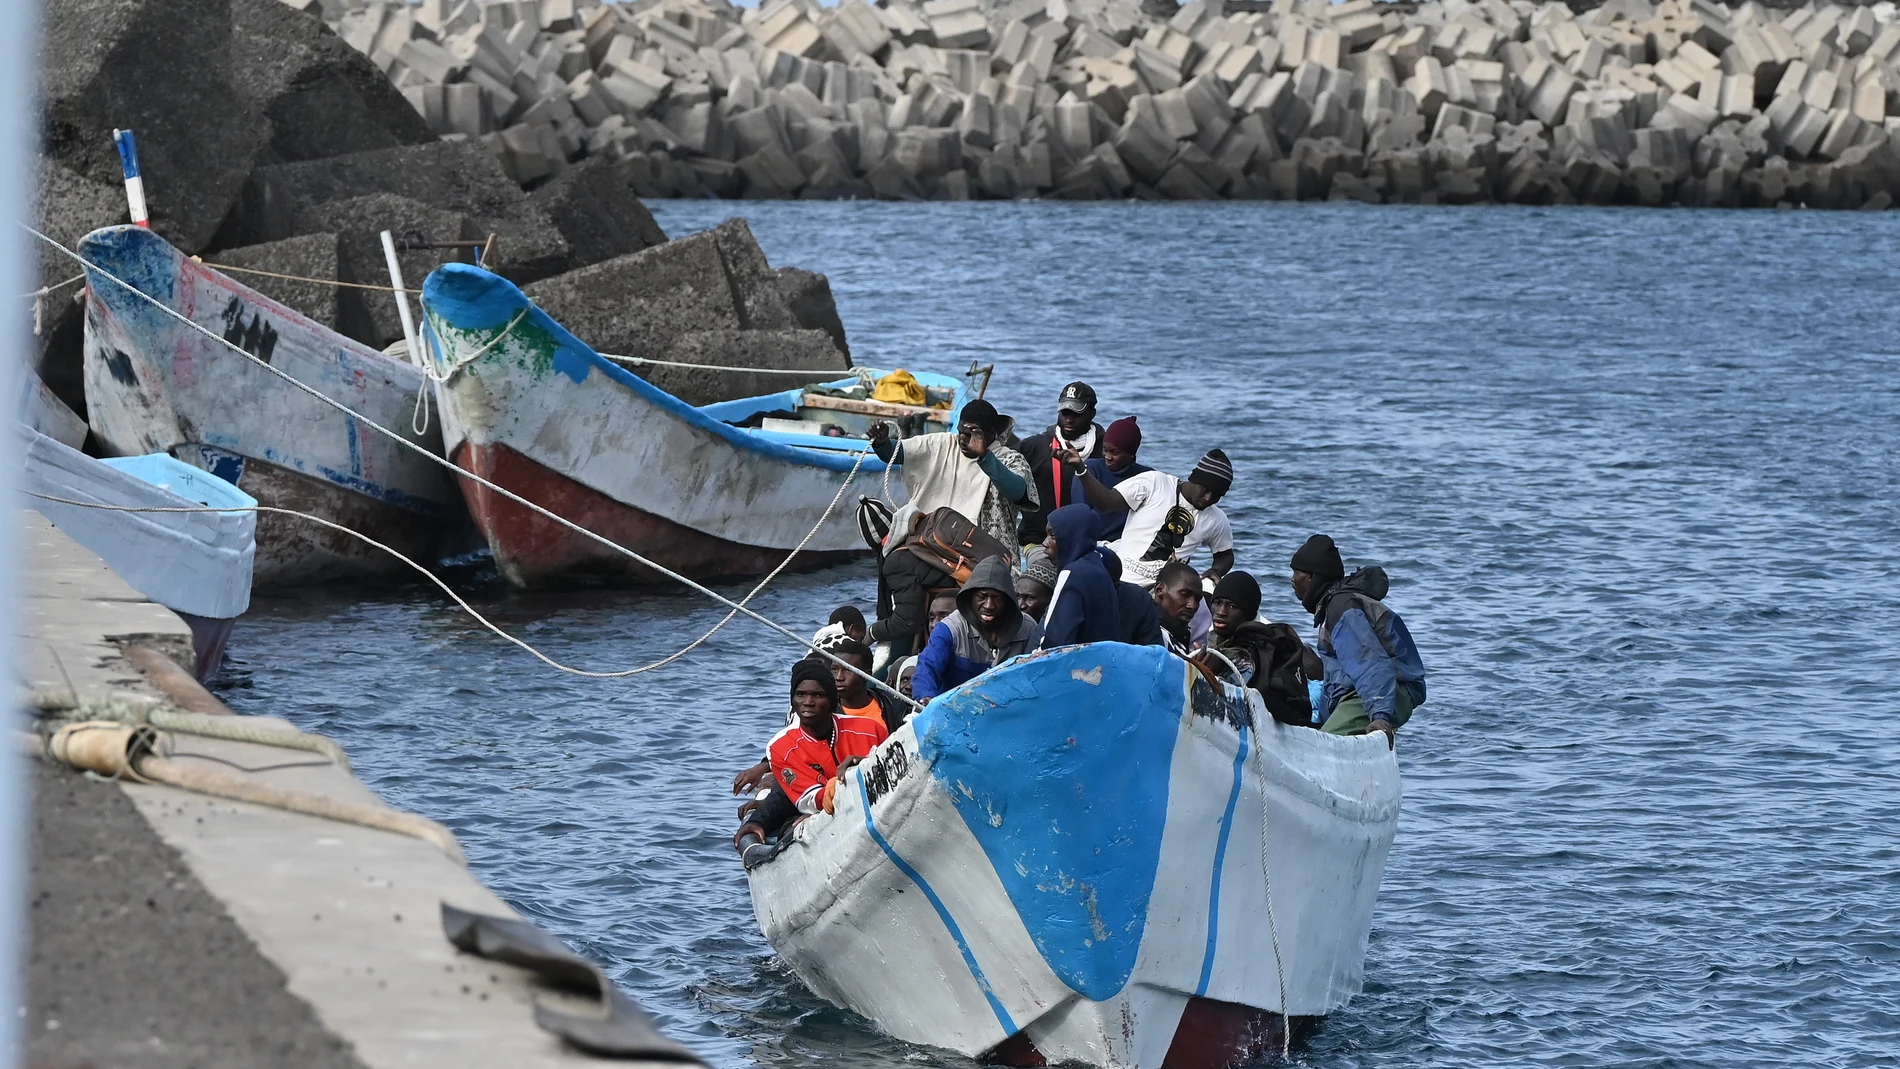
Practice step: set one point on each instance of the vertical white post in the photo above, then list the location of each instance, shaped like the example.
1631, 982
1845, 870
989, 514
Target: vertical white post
402, 301
19, 252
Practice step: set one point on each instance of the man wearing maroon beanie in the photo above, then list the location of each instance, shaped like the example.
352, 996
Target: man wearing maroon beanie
1120, 443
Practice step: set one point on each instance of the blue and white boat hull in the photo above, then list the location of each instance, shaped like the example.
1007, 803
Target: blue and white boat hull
1062, 862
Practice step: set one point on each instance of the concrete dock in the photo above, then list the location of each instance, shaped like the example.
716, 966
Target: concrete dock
175, 929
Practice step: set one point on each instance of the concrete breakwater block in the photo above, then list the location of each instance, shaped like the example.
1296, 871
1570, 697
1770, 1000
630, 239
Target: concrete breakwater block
958, 94
162, 68
309, 256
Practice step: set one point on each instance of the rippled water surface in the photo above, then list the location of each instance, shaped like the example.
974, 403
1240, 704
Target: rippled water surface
1633, 473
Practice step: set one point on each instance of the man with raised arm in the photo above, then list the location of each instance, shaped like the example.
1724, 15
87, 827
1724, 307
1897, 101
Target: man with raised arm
1168, 518
970, 471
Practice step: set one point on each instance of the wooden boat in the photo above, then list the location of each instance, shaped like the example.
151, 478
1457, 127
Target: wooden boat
154, 385
197, 564
531, 408
1061, 861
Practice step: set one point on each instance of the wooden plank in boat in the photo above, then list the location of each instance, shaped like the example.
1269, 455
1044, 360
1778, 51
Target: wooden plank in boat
874, 408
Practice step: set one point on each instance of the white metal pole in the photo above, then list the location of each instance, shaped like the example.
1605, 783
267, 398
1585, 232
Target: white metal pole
402, 300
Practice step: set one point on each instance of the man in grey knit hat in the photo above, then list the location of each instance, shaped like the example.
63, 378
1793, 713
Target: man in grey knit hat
1168, 518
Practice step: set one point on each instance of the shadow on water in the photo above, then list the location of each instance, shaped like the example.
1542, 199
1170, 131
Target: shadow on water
1634, 475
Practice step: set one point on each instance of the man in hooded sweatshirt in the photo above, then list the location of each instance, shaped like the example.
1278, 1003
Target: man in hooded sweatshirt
987, 629
1086, 605
1374, 676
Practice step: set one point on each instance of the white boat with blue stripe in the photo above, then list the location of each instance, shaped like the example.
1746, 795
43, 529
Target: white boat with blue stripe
1093, 855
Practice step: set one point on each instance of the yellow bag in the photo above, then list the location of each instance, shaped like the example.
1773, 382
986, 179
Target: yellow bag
899, 387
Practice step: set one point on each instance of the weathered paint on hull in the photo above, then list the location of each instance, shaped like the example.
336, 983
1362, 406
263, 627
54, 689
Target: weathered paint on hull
154, 385
1062, 861
531, 550
295, 552
1210, 1035
527, 400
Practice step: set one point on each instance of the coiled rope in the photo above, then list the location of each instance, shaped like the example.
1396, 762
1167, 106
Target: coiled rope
464, 474
229, 728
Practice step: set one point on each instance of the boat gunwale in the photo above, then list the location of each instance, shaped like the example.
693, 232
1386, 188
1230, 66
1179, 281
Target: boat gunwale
499, 291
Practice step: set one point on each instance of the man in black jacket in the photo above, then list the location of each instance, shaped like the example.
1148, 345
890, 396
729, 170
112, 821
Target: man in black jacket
1075, 428
904, 590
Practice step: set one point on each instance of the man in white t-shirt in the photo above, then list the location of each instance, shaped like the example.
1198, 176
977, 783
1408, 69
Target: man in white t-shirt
1168, 518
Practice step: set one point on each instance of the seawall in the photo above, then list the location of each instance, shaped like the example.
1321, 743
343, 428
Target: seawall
1683, 102
172, 928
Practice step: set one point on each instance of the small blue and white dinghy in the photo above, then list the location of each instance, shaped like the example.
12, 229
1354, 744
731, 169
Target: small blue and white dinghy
1092, 855
197, 564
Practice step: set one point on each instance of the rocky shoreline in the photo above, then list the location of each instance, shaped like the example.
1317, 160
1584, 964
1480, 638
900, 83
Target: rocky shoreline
1687, 102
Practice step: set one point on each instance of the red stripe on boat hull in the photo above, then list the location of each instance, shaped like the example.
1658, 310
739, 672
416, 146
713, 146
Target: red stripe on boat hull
532, 550
1210, 1035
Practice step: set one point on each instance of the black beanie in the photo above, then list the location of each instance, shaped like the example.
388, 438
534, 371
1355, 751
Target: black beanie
819, 669
1319, 558
1241, 589
981, 413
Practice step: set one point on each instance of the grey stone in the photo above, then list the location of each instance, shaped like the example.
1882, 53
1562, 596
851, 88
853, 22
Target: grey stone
458, 176
358, 223
70, 207
160, 68
794, 348
808, 295
311, 256
640, 303
322, 97
594, 206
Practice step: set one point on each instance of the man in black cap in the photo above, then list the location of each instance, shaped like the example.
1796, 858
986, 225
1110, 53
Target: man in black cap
1168, 518
1075, 430
1374, 676
969, 470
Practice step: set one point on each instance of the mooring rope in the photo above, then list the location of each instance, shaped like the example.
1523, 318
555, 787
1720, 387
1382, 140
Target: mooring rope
446, 589
418, 448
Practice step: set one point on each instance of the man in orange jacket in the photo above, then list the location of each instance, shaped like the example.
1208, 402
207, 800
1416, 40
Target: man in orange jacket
808, 755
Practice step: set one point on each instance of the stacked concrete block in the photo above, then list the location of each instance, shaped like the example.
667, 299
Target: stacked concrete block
1087, 98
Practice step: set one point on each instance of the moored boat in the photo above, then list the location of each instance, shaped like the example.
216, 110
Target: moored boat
154, 385
197, 564
1091, 855
725, 490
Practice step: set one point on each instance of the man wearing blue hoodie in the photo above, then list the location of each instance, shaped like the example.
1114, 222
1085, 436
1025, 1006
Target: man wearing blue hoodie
1085, 606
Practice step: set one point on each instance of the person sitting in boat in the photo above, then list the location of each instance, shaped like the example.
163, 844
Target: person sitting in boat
1141, 618
970, 471
941, 608
1037, 582
1086, 605
1117, 464
987, 629
1168, 518
1177, 595
857, 697
846, 622
1269, 657
1374, 676
821, 741
1074, 429
905, 581
906, 671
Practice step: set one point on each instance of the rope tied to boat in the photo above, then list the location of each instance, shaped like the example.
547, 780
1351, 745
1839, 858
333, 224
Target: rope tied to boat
462, 473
